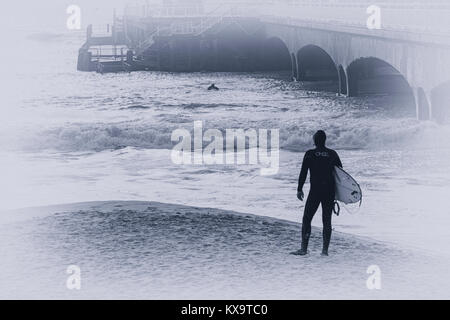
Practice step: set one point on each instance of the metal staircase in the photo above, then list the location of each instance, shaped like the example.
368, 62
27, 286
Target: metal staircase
185, 28
146, 44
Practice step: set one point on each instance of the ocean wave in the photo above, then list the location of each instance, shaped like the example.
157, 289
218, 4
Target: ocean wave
400, 133
210, 105
358, 134
99, 137
135, 107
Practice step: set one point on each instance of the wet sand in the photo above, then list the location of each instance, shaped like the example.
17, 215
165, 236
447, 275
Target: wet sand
152, 250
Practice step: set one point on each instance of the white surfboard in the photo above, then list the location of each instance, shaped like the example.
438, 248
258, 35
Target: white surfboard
347, 189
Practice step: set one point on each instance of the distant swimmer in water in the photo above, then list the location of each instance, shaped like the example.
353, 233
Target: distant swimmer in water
213, 87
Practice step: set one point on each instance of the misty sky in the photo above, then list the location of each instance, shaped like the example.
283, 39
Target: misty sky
50, 15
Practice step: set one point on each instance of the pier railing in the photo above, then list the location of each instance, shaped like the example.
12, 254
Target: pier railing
195, 20
186, 26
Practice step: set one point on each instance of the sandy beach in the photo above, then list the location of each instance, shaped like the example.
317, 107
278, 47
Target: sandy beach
150, 250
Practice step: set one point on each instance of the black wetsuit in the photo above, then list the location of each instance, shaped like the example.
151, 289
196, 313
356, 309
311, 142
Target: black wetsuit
320, 162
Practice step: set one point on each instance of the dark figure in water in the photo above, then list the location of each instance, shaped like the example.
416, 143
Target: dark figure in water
320, 162
213, 87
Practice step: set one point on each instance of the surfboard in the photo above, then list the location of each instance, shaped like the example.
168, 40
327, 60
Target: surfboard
347, 189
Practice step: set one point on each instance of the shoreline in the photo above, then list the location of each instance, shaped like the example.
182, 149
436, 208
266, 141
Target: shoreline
150, 250
18, 214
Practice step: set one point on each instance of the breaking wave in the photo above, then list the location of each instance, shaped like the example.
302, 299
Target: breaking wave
293, 137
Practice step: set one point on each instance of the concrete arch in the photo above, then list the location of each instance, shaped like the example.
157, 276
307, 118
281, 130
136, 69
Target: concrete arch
275, 55
421, 64
370, 75
369, 69
315, 64
424, 65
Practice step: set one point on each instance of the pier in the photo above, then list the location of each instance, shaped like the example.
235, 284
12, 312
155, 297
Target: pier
410, 57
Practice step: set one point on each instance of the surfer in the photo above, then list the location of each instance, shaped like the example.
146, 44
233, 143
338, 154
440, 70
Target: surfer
320, 163
213, 87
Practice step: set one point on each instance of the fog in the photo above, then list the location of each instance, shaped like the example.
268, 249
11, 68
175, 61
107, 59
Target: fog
68, 136
50, 15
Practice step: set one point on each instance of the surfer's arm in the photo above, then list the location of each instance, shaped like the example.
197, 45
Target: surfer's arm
303, 173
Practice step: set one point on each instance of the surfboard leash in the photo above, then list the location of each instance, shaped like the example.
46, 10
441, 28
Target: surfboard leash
336, 208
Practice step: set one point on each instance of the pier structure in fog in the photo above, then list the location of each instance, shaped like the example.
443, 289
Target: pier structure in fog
412, 56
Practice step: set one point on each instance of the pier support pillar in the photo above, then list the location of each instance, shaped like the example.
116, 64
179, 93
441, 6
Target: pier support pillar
294, 67
423, 110
440, 103
342, 81
84, 60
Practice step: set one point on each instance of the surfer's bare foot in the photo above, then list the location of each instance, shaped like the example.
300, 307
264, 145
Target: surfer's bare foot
299, 252
324, 253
